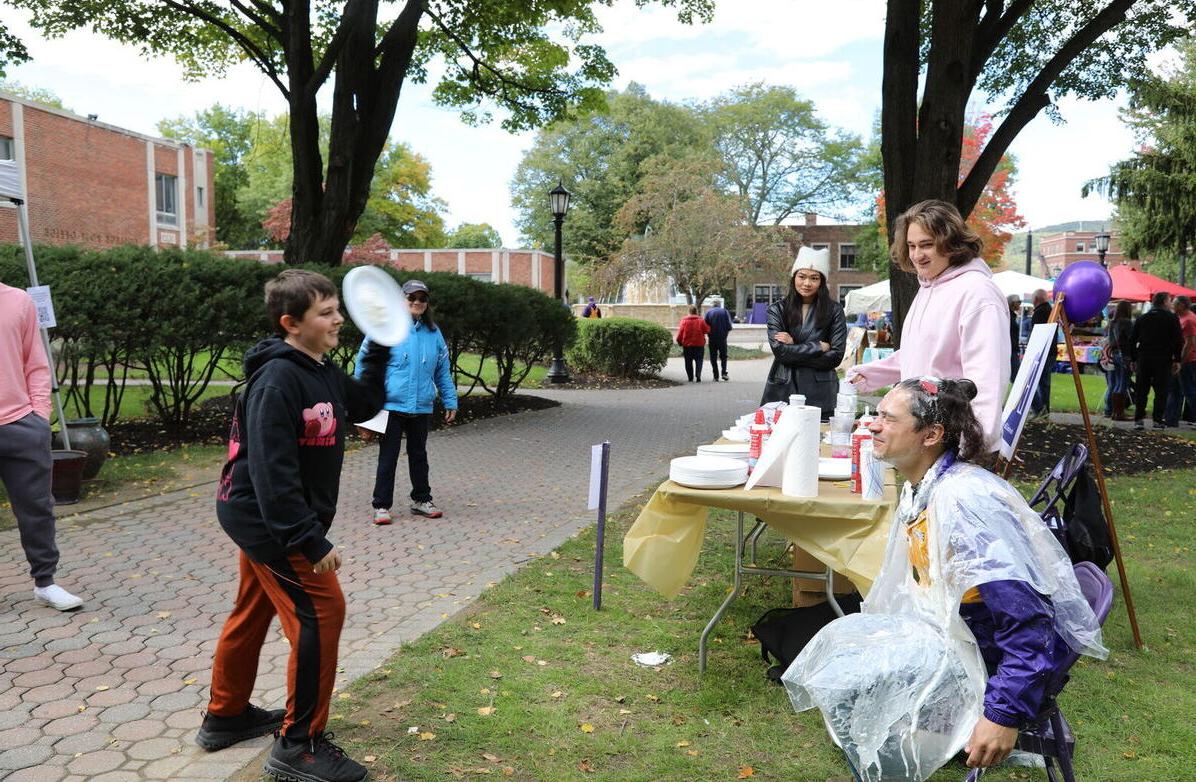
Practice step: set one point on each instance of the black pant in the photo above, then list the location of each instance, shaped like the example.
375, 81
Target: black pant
693, 361
25, 471
416, 429
1154, 372
718, 348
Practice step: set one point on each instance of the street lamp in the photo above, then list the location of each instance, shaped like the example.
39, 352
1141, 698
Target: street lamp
1102, 246
558, 199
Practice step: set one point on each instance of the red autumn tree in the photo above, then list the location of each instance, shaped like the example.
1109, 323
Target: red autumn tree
995, 216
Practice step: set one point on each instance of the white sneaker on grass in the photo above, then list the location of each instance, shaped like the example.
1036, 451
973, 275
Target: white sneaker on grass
56, 597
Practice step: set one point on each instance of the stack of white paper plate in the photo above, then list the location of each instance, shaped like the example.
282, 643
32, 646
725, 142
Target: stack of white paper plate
736, 434
708, 472
834, 469
729, 450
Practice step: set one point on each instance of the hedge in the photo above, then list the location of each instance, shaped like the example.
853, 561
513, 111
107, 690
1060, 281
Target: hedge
624, 347
177, 316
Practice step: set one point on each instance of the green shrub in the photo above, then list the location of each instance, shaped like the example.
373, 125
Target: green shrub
624, 347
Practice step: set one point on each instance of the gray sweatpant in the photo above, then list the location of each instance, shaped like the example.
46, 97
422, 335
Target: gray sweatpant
25, 469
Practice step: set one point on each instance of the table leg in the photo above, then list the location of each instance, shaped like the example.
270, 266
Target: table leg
754, 536
739, 540
830, 593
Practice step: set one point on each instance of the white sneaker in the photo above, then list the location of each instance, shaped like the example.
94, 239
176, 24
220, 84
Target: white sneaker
56, 597
382, 516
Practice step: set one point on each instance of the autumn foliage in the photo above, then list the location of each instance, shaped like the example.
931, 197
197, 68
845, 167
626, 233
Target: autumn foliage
995, 216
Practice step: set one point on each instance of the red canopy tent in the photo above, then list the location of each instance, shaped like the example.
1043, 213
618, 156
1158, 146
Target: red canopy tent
1140, 286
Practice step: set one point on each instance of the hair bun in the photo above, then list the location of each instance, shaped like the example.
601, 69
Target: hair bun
967, 388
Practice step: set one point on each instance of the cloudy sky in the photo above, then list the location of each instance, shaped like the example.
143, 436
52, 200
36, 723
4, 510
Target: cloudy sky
829, 52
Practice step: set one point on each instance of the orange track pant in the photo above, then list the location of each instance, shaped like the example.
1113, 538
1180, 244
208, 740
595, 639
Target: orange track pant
311, 608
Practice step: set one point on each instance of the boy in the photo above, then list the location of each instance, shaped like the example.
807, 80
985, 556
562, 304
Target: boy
276, 499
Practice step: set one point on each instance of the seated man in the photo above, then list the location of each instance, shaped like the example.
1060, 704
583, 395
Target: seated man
972, 615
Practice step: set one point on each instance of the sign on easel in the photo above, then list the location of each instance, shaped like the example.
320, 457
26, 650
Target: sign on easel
1039, 358
599, 470
44, 305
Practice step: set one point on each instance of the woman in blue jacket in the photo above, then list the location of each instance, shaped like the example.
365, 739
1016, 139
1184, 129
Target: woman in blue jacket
418, 368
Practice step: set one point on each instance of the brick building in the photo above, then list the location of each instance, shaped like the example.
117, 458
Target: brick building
533, 268
1059, 250
97, 185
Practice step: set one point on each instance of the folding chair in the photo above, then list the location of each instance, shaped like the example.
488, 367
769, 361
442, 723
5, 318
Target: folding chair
1054, 489
1049, 735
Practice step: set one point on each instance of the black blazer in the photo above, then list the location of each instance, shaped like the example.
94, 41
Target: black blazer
803, 367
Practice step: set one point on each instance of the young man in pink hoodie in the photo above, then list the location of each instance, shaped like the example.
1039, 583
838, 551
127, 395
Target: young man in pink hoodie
958, 324
25, 464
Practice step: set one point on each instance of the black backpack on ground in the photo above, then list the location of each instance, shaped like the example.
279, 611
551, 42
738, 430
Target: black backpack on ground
784, 632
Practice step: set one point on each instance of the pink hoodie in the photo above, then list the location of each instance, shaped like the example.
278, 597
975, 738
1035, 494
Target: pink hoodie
957, 326
24, 370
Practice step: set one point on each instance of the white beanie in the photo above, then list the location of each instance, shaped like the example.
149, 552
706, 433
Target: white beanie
809, 258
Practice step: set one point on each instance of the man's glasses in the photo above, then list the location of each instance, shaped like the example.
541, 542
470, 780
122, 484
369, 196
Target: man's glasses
417, 297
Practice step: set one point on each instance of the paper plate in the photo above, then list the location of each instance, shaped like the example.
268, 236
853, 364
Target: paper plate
728, 450
738, 435
834, 469
707, 472
376, 305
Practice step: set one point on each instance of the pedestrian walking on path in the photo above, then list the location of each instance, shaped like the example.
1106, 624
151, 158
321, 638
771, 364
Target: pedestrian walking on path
719, 321
691, 336
416, 370
26, 465
276, 500
1183, 383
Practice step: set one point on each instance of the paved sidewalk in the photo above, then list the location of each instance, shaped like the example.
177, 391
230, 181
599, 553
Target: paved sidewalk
115, 691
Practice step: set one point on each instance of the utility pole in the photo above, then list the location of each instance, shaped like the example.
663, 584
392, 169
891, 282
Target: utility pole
1029, 246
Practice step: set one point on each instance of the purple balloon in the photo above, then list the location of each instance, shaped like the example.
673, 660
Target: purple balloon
1086, 286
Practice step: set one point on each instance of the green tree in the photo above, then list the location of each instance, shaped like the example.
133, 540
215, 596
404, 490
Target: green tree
230, 134
473, 236
1155, 189
940, 55
36, 94
683, 227
600, 159
779, 157
511, 54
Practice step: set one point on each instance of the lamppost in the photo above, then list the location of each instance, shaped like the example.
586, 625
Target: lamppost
558, 198
1102, 246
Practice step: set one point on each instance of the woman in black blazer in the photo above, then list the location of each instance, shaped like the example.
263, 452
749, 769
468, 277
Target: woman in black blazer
807, 332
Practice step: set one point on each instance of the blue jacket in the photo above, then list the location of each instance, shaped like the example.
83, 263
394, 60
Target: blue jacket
417, 369
719, 321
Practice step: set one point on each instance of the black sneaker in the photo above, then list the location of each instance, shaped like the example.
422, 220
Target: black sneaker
220, 732
314, 760
1139, 424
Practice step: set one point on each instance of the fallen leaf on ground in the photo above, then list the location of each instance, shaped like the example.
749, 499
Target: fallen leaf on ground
163, 614
427, 735
450, 651
528, 658
486, 711
558, 620
491, 757
585, 766
450, 718
557, 694
682, 743
587, 727
745, 772
495, 675
370, 758
653, 698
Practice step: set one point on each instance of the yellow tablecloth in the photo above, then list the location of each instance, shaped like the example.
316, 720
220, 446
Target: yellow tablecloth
842, 530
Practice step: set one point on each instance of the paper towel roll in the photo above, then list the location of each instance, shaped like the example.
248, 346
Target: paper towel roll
872, 473
799, 477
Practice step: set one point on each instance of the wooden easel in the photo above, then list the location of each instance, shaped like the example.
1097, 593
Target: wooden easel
1059, 317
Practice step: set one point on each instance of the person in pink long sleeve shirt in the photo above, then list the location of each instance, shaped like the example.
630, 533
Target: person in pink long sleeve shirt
958, 324
25, 461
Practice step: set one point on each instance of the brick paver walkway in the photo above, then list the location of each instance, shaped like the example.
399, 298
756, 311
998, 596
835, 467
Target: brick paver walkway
114, 691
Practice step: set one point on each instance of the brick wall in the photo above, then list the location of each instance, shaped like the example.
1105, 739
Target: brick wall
87, 182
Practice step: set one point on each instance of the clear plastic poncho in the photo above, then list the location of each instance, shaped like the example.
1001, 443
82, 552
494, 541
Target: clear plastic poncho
901, 685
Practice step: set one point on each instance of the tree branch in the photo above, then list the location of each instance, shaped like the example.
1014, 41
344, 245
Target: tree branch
324, 68
1033, 100
254, 52
989, 34
271, 29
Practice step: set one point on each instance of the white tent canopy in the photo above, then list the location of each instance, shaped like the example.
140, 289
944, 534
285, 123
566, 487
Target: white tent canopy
1014, 283
871, 298
876, 297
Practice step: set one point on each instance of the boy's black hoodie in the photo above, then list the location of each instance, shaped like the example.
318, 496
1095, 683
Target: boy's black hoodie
279, 487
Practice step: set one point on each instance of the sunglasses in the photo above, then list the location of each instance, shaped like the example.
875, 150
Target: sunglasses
417, 297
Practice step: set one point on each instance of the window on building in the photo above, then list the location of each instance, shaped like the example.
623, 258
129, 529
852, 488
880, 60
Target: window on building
166, 190
199, 197
846, 289
766, 294
846, 256
481, 276
7, 152
822, 246
1079, 247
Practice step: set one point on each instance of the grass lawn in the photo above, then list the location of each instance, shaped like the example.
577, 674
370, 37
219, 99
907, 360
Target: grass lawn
469, 362
134, 402
734, 352
532, 684
1064, 399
